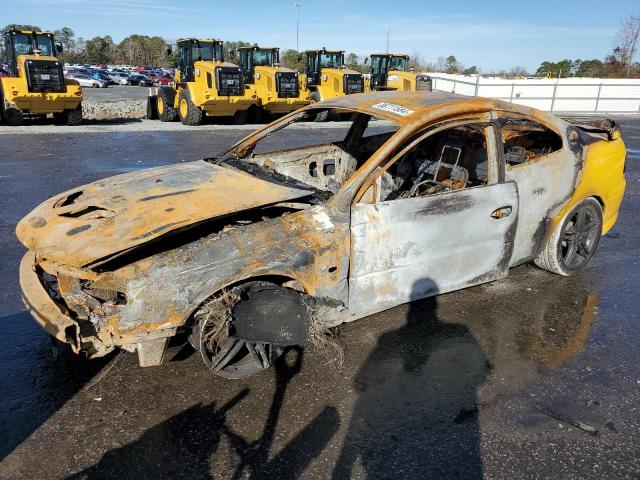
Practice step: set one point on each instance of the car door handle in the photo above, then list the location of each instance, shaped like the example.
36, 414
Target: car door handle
502, 212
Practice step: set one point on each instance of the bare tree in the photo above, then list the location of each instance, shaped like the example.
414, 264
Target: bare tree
627, 40
518, 71
416, 61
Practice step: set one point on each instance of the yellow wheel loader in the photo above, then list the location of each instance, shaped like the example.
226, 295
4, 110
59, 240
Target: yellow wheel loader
327, 76
204, 85
36, 85
278, 89
390, 71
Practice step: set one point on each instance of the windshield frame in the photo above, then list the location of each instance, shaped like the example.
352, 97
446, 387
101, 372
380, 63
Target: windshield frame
330, 59
42, 41
205, 51
395, 62
271, 57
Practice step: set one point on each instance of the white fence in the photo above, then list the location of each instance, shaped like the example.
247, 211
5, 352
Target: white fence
566, 95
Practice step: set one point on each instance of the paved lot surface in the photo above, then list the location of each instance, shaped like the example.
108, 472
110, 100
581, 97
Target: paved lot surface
443, 388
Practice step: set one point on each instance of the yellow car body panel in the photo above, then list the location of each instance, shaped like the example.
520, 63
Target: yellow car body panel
603, 178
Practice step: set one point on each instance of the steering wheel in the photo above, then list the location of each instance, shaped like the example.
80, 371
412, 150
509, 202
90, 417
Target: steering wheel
416, 186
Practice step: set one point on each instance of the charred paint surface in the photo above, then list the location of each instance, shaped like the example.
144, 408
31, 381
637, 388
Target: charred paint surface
196, 191
393, 247
136, 254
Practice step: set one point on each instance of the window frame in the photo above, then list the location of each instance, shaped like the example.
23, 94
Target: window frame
495, 170
503, 115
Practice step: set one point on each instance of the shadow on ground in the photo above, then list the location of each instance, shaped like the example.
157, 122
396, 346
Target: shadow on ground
416, 413
183, 445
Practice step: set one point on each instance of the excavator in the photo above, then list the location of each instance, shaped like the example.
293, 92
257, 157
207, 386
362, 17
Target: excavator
278, 89
204, 85
390, 71
327, 76
35, 86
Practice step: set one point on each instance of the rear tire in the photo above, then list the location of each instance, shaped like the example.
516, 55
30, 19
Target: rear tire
74, 117
322, 116
240, 117
13, 117
256, 114
69, 117
575, 240
152, 108
164, 105
189, 114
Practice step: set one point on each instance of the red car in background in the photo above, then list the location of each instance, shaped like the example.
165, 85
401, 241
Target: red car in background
165, 79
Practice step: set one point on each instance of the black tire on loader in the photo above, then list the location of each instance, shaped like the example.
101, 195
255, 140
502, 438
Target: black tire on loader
69, 117
74, 116
152, 108
257, 114
322, 116
164, 104
13, 116
189, 114
240, 117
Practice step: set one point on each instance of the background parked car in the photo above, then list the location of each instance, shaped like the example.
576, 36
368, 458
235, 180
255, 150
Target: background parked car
119, 78
137, 79
164, 80
87, 81
104, 77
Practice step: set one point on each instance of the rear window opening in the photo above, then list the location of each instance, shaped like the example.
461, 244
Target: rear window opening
525, 140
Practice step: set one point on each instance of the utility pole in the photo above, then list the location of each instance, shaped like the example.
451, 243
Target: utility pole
297, 5
388, 33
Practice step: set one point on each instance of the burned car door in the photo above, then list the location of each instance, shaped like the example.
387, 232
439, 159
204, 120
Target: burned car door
545, 172
437, 218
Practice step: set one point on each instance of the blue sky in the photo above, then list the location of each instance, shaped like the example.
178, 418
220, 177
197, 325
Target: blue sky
490, 34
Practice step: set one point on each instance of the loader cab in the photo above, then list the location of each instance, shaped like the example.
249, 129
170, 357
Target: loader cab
19, 42
319, 59
251, 57
382, 64
191, 50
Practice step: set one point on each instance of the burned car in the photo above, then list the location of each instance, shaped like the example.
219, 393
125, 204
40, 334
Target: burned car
260, 248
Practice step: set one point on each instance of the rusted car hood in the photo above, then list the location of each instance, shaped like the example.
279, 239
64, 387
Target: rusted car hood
102, 218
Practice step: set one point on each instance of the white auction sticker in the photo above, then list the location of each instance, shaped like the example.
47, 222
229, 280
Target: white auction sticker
393, 108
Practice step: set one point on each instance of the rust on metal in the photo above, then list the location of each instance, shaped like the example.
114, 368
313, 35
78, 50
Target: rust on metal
131, 258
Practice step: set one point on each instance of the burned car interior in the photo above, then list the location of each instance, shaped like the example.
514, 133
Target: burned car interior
525, 140
449, 160
322, 162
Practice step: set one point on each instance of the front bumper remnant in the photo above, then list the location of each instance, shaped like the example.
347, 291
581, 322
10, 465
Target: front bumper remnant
43, 309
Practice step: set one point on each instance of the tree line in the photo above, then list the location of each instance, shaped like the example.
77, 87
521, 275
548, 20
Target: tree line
144, 50
134, 50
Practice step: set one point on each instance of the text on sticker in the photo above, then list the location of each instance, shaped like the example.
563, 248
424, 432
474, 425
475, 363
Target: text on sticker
393, 108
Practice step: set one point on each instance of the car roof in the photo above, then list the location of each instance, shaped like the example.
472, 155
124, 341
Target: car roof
407, 107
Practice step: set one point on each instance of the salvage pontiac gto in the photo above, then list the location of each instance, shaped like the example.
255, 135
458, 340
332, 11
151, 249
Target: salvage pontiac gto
260, 248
